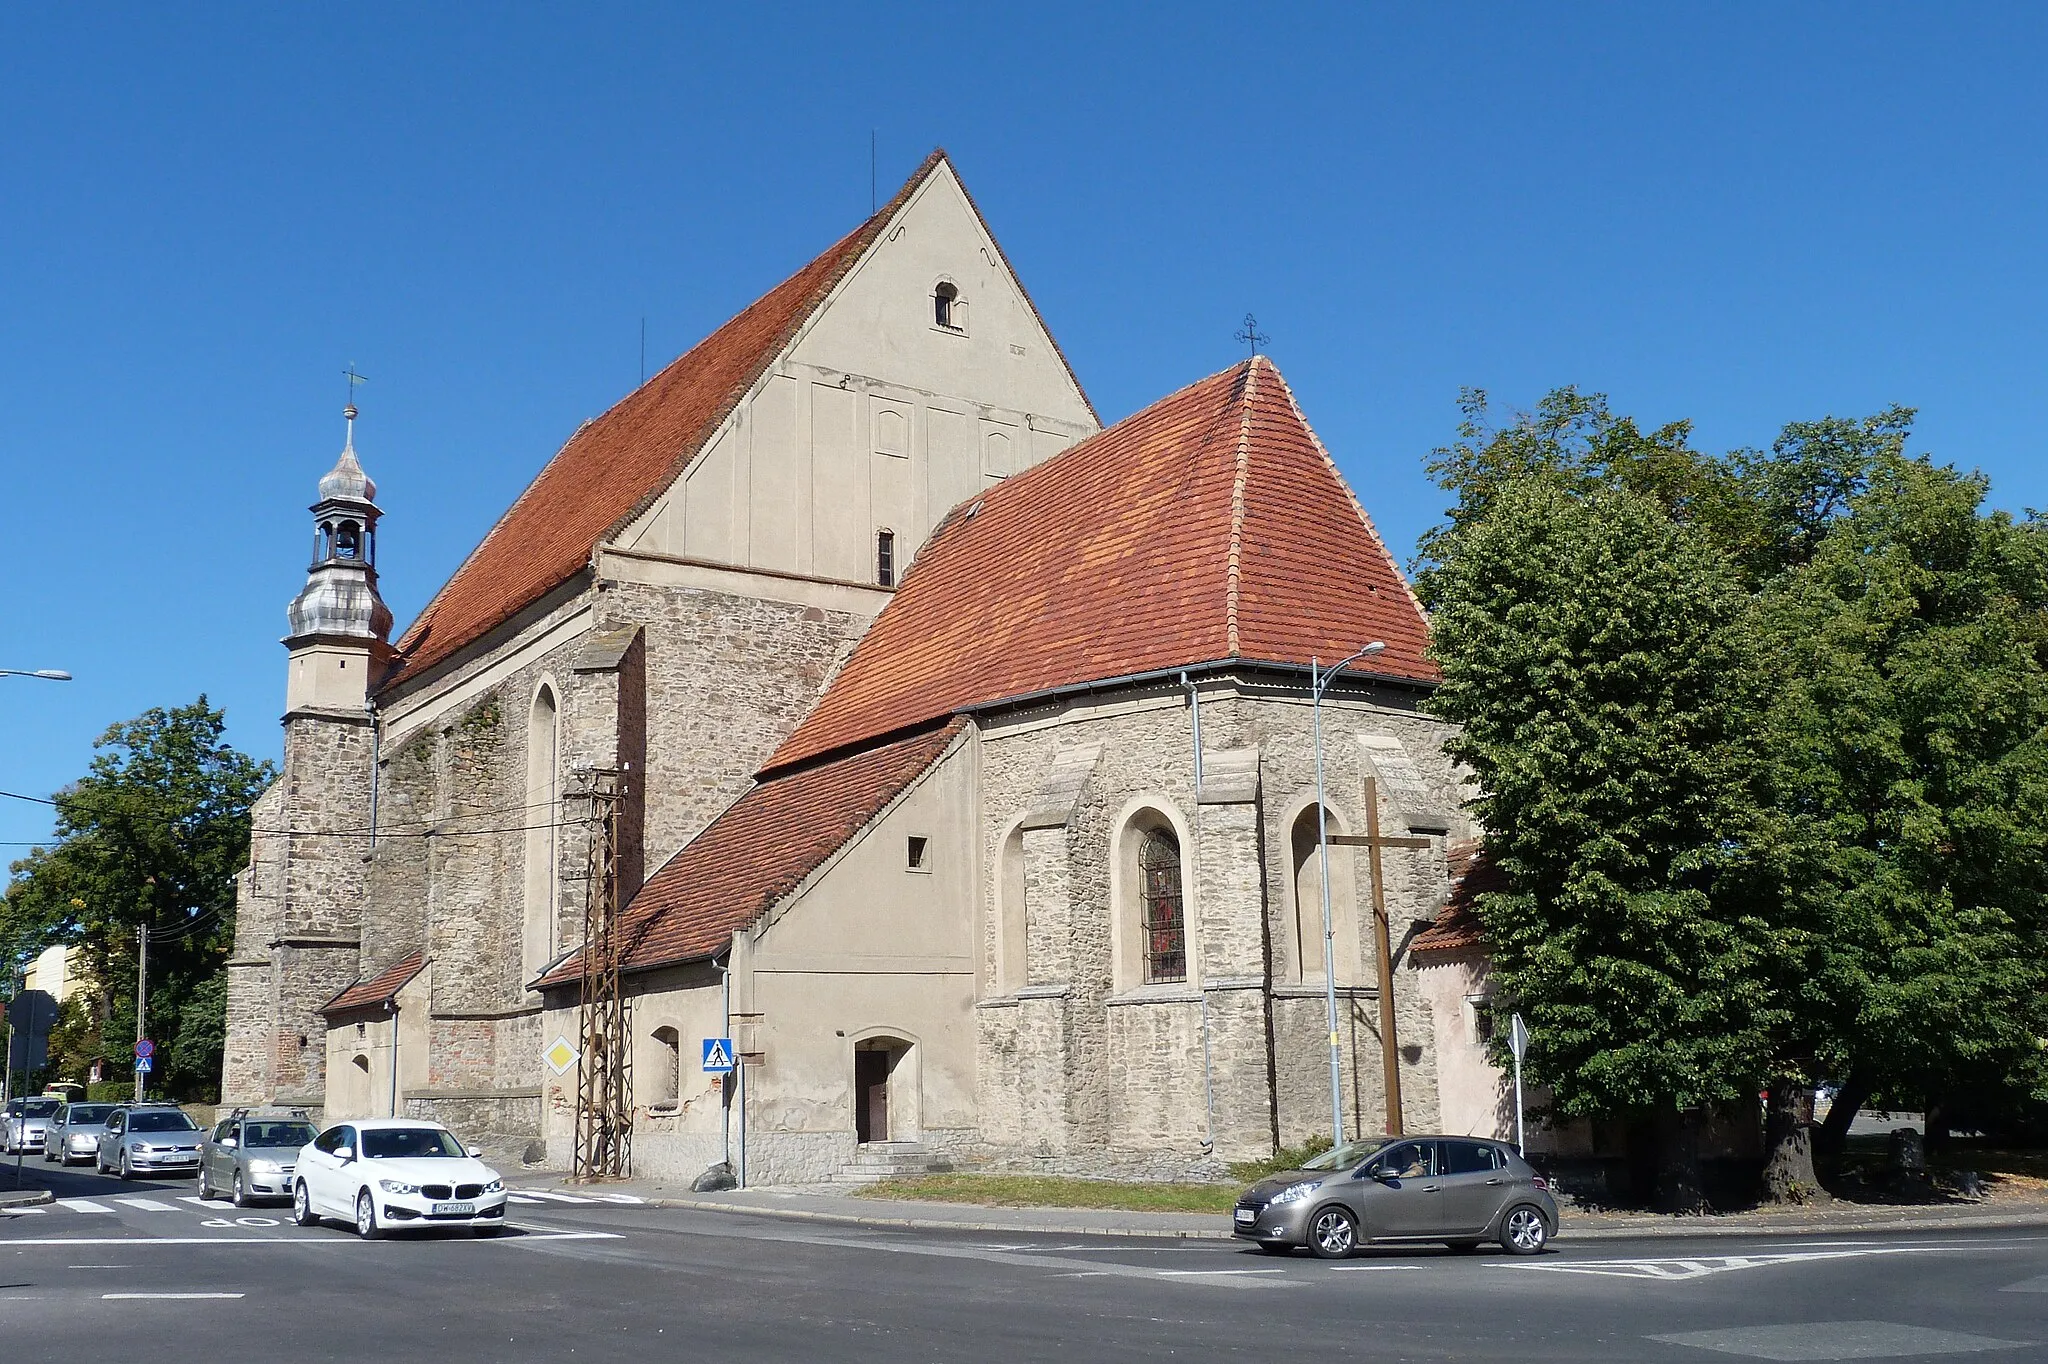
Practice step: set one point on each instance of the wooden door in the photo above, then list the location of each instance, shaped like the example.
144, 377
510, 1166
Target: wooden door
871, 1095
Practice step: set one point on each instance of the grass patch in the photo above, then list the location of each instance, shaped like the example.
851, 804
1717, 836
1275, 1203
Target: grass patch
1056, 1191
1287, 1158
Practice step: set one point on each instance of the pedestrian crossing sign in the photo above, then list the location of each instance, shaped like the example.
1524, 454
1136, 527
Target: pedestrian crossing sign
718, 1055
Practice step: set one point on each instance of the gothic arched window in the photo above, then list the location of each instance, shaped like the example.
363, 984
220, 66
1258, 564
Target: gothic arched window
1165, 922
543, 838
667, 1088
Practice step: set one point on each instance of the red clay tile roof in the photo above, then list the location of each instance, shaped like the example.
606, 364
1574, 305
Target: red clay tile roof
759, 850
616, 465
1211, 525
381, 988
1473, 874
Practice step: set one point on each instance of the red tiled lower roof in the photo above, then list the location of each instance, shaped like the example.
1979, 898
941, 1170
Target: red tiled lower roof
381, 988
1473, 873
1212, 525
760, 850
617, 464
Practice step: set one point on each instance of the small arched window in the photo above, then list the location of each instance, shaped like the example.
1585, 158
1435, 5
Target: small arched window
667, 1089
1013, 941
946, 306
543, 838
1165, 923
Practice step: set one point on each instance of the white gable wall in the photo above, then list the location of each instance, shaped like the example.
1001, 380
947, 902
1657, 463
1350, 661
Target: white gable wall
877, 418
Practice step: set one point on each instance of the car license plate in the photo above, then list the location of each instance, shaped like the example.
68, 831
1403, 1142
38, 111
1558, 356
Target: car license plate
455, 1210
1247, 1215
181, 1159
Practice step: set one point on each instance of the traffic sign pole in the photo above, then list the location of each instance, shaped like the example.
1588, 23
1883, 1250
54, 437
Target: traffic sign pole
1518, 1042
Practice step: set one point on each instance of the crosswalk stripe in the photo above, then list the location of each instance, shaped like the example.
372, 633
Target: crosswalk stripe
82, 1205
194, 1199
146, 1204
523, 1198
561, 1197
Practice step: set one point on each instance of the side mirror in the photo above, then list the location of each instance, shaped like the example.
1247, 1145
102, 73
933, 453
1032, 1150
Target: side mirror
476, 1153
228, 1143
1383, 1175
344, 1154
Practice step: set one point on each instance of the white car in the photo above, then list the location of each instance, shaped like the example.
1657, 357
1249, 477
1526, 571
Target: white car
383, 1173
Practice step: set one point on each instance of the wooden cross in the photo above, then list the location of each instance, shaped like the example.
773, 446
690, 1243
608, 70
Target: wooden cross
1373, 842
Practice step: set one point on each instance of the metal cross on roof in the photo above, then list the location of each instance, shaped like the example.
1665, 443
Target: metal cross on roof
1251, 335
353, 379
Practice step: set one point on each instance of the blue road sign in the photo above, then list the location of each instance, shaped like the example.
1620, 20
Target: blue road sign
143, 1065
718, 1055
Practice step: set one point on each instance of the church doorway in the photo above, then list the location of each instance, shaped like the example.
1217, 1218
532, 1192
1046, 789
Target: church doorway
874, 1063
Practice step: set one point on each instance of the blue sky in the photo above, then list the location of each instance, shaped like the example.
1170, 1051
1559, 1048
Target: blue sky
1739, 214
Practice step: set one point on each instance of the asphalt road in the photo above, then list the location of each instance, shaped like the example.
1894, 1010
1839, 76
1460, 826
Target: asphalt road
142, 1271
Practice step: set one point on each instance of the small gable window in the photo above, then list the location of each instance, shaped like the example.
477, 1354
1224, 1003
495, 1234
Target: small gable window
885, 558
949, 310
918, 856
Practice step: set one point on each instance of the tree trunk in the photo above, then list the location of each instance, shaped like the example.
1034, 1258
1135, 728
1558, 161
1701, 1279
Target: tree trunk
1789, 1176
1832, 1135
1678, 1162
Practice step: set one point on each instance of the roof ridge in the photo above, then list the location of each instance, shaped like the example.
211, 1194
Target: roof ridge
1379, 542
1234, 571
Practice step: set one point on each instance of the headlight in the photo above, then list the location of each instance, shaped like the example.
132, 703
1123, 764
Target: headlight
495, 1186
264, 1167
1294, 1193
393, 1186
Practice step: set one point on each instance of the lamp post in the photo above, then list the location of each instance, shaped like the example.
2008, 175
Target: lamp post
47, 674
1319, 681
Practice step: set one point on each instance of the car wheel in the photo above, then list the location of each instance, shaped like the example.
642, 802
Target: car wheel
127, 1166
205, 1184
241, 1192
1333, 1233
302, 1206
366, 1216
1523, 1231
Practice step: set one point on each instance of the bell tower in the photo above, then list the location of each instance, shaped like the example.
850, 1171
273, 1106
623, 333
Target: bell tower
340, 627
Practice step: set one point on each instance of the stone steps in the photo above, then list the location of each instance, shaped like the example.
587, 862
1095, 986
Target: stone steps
879, 1160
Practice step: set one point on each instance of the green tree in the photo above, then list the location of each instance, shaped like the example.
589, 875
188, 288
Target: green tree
1598, 656
1911, 765
155, 833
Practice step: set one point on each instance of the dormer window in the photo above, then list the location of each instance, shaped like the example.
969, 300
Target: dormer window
949, 310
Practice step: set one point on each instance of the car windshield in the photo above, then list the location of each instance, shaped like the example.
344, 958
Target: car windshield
1344, 1157
406, 1143
161, 1122
42, 1108
82, 1115
276, 1133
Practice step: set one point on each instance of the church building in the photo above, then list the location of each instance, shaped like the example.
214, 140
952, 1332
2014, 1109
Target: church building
962, 761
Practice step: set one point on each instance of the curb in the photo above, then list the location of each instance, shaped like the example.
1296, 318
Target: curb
27, 1198
1693, 1229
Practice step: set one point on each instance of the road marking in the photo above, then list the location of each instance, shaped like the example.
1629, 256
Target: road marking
195, 1200
82, 1205
163, 1297
523, 1198
146, 1204
1371, 1269
1210, 1273
560, 1197
24, 1212
1673, 1269
133, 1242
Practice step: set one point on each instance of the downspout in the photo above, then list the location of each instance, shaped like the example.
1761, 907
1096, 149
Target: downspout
724, 970
1208, 1070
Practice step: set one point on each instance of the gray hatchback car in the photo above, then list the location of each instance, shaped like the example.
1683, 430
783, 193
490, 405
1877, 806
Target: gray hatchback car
75, 1132
1457, 1190
148, 1139
252, 1155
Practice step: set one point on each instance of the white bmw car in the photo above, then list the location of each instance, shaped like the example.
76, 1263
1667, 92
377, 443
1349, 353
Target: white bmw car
386, 1173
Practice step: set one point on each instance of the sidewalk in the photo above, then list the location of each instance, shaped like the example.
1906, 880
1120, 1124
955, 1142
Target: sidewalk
813, 1205
24, 1198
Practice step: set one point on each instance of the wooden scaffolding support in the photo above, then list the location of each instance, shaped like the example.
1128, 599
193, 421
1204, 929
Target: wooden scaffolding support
604, 1077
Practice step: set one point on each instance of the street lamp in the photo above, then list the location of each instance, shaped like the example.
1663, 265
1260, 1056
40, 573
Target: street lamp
47, 674
1319, 682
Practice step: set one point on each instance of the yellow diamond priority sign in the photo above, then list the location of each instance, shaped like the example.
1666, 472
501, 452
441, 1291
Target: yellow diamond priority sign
560, 1055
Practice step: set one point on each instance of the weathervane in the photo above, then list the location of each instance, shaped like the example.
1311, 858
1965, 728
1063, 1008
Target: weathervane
349, 412
1251, 335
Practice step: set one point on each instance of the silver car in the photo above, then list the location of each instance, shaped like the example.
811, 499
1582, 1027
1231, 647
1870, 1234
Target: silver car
75, 1132
1457, 1190
252, 1155
148, 1139
28, 1123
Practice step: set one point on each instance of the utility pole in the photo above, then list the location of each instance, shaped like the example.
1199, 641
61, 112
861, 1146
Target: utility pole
141, 996
604, 1098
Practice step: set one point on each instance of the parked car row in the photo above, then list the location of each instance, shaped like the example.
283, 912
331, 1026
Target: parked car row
375, 1173
27, 1123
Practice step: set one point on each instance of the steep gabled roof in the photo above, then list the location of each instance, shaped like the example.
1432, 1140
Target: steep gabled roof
1210, 526
614, 467
760, 850
381, 988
